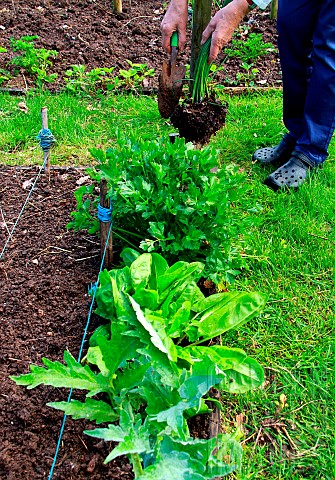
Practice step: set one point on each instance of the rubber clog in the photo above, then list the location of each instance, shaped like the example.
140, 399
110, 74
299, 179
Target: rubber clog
292, 174
276, 155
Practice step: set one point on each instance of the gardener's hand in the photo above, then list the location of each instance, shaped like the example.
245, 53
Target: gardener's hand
223, 25
175, 20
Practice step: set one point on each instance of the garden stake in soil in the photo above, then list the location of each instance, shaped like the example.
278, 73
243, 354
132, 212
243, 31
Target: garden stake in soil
47, 140
44, 115
118, 6
105, 217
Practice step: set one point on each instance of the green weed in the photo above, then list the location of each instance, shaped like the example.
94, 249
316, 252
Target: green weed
80, 82
249, 48
34, 61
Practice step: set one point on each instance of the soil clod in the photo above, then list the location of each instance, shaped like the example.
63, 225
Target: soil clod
197, 122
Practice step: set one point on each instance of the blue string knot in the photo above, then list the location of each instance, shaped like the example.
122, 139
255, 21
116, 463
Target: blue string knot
105, 214
92, 288
46, 138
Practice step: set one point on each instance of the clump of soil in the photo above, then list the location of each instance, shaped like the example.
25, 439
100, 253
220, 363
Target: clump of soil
197, 122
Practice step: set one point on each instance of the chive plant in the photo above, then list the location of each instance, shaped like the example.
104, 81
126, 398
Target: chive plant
201, 71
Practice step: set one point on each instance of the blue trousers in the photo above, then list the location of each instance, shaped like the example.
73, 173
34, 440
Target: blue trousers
306, 43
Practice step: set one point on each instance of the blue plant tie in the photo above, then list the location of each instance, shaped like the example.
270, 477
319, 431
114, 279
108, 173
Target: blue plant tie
46, 138
92, 288
105, 214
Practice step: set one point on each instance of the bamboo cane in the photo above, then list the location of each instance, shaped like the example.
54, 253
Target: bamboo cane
274, 9
118, 6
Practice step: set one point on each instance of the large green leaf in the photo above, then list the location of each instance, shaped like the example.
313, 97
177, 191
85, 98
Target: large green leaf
94, 410
132, 435
240, 372
179, 320
158, 268
135, 441
94, 357
104, 297
219, 313
177, 274
110, 295
199, 449
169, 373
146, 298
113, 433
140, 271
190, 293
174, 417
228, 455
226, 459
173, 466
203, 376
196, 384
74, 375
128, 255
118, 349
159, 337
130, 377
121, 285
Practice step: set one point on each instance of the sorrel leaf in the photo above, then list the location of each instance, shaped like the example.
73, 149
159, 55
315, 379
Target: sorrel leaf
94, 410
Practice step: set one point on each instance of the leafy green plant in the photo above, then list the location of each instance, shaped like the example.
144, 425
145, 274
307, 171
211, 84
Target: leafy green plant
132, 79
79, 81
176, 200
35, 61
4, 75
148, 372
249, 48
247, 78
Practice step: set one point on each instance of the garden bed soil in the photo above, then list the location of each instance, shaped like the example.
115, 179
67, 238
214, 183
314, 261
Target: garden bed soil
45, 273
88, 32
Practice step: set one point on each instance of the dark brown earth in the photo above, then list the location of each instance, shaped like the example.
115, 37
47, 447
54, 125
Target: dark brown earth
197, 122
44, 276
87, 32
46, 270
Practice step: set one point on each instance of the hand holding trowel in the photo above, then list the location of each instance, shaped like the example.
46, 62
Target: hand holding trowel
170, 81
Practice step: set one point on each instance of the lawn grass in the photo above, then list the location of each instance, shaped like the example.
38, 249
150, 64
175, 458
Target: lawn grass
289, 424
77, 124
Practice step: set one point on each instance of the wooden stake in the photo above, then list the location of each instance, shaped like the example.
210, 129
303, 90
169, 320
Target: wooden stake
274, 9
44, 114
105, 227
202, 11
118, 6
214, 418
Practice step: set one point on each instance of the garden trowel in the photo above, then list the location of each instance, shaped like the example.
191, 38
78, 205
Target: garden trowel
170, 81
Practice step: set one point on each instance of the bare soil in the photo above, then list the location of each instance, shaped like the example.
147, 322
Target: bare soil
88, 32
44, 276
46, 270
